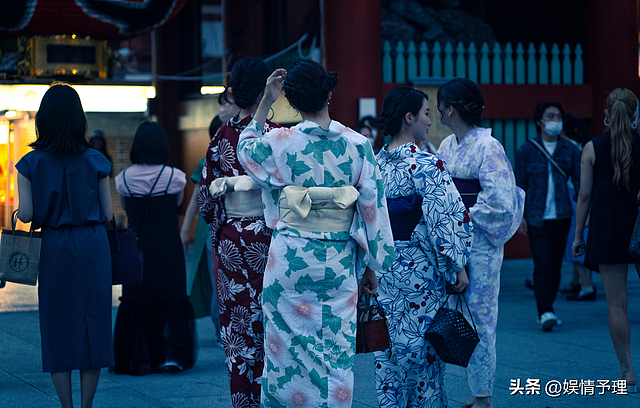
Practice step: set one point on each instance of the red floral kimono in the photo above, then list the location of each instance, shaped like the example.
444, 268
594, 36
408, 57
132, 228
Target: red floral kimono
242, 247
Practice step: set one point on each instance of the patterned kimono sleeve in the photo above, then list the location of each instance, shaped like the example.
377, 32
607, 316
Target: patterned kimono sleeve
448, 224
255, 154
500, 205
371, 227
212, 209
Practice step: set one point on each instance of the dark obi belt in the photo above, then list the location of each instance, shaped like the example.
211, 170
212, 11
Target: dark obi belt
468, 189
404, 213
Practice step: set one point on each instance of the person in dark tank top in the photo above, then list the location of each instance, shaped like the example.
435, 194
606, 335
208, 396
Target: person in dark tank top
609, 187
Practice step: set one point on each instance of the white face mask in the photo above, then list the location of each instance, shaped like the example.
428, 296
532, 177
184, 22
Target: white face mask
552, 128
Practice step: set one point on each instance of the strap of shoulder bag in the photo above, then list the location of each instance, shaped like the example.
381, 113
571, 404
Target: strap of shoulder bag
548, 156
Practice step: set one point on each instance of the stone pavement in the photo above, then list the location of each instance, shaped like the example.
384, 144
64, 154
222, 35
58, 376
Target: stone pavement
579, 350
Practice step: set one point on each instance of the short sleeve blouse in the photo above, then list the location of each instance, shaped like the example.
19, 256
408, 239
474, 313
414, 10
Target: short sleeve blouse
65, 187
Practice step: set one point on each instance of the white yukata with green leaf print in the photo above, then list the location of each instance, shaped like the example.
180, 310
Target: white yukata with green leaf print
310, 285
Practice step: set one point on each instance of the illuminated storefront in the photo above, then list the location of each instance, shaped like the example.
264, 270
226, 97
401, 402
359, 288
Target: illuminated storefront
18, 107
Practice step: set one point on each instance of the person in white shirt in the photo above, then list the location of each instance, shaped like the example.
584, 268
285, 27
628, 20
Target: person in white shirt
544, 164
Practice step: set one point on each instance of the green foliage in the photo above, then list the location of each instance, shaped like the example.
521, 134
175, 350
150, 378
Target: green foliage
298, 167
271, 294
296, 263
334, 323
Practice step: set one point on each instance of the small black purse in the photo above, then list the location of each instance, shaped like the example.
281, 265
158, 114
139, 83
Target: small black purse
451, 335
126, 256
372, 332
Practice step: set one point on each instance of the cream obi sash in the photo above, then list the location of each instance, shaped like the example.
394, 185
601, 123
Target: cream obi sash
318, 209
242, 196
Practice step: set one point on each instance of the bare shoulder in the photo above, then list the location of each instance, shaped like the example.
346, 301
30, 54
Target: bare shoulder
588, 149
588, 153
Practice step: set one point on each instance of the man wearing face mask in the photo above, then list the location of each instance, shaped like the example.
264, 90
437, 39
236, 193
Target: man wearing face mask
543, 167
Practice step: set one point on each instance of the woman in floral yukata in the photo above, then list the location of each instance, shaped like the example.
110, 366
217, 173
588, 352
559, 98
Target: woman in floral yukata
230, 201
432, 233
323, 196
480, 168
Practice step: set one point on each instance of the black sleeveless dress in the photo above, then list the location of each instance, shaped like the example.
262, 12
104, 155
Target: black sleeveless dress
155, 321
613, 211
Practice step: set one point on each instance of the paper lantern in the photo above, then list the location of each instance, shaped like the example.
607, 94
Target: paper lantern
101, 19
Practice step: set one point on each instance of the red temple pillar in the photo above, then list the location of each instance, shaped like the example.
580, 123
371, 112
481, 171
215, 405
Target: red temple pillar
610, 52
351, 47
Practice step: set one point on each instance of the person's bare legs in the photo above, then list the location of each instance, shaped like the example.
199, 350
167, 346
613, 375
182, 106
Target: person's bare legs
62, 383
614, 281
584, 273
575, 276
88, 385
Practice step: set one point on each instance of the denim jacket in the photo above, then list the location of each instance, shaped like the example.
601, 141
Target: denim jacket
533, 177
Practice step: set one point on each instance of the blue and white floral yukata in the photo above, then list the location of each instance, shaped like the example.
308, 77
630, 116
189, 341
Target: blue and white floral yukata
412, 290
318, 247
496, 217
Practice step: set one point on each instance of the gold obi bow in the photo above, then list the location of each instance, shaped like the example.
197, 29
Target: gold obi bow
242, 196
334, 205
237, 183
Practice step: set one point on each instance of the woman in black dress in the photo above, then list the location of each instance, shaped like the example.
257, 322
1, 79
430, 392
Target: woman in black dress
63, 187
609, 185
154, 328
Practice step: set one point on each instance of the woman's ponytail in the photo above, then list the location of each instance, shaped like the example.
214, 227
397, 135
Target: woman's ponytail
621, 105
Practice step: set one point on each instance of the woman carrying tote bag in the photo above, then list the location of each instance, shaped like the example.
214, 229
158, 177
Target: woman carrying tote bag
63, 187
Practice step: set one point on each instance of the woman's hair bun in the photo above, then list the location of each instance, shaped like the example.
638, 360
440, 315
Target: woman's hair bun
388, 120
307, 86
329, 81
397, 103
465, 96
248, 79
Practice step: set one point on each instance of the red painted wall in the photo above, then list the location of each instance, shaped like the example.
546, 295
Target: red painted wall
610, 52
351, 47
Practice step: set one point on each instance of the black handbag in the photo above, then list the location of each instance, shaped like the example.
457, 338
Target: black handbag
372, 331
126, 255
634, 243
451, 335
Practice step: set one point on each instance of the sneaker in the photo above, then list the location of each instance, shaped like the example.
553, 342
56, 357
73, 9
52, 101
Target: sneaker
170, 367
557, 325
548, 320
